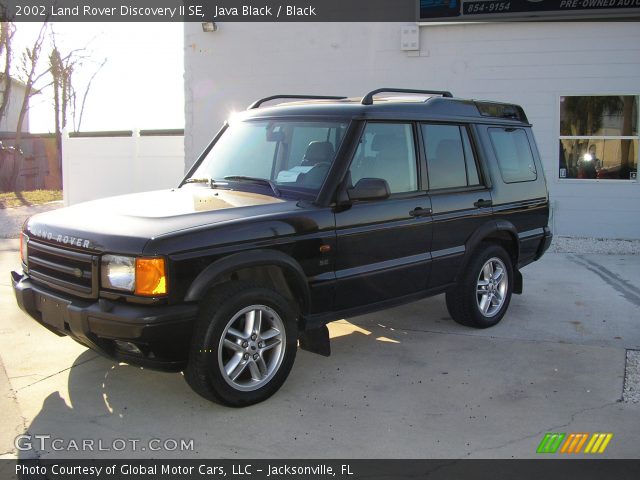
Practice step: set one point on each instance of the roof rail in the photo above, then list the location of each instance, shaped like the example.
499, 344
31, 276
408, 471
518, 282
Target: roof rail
368, 98
257, 103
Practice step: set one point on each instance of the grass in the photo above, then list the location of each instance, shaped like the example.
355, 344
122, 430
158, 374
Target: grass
34, 197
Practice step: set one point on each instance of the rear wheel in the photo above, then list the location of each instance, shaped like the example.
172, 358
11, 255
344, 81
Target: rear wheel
484, 290
244, 345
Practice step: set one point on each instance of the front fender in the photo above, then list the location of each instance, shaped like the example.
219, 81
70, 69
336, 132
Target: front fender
254, 258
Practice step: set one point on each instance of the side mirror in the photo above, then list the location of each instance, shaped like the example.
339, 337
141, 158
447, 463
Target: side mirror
369, 189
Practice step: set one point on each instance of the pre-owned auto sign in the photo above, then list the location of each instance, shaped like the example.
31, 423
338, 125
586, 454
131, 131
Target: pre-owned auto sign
522, 9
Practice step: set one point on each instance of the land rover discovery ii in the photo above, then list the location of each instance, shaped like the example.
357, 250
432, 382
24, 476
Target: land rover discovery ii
296, 215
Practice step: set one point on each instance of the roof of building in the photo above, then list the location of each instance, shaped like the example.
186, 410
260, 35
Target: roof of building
13, 80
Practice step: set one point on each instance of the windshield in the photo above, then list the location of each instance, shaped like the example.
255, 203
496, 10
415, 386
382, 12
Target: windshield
292, 156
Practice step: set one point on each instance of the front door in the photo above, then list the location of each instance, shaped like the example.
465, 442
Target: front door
383, 245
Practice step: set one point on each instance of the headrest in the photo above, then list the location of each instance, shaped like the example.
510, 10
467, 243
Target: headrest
319, 152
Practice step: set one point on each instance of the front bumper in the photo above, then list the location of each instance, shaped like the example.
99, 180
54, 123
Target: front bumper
162, 333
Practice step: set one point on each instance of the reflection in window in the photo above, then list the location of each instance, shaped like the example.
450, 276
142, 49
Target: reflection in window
613, 159
599, 137
609, 115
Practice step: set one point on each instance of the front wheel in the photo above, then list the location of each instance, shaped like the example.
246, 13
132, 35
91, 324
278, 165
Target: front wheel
482, 296
244, 345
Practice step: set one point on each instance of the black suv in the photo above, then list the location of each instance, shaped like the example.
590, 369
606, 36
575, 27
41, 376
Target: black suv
296, 215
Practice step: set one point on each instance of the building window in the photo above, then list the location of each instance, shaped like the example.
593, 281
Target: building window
599, 137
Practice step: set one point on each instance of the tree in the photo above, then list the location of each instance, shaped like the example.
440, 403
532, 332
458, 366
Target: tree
60, 73
27, 72
64, 68
7, 31
628, 115
583, 115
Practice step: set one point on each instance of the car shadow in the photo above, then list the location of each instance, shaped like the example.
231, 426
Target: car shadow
108, 402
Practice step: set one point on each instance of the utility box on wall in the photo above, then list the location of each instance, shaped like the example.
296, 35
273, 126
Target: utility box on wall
409, 38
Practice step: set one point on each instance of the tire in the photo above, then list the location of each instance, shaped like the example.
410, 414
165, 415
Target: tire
479, 310
224, 345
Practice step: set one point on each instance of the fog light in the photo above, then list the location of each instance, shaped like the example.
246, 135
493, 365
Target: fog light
128, 347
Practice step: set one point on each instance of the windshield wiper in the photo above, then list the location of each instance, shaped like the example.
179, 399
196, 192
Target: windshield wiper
217, 184
261, 181
197, 180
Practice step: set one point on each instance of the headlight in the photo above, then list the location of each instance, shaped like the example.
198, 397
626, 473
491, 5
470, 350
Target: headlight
118, 272
24, 241
142, 276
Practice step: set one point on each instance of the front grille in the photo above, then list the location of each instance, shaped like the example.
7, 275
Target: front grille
64, 270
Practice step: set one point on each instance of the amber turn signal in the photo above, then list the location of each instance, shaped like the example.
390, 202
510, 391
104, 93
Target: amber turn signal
23, 248
151, 279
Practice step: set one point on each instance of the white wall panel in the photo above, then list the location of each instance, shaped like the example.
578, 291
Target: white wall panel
532, 64
97, 167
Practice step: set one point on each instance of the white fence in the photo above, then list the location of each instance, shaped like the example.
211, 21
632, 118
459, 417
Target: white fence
102, 164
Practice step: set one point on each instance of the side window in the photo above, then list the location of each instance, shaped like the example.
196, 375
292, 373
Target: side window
450, 160
513, 152
387, 151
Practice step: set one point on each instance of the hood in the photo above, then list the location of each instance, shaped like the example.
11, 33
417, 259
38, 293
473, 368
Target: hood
124, 224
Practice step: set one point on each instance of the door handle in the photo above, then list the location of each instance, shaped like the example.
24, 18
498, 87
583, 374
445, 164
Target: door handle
483, 203
420, 212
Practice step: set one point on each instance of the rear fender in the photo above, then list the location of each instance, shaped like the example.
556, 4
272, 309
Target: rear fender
502, 232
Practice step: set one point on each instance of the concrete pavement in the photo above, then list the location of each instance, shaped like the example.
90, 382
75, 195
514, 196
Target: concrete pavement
403, 383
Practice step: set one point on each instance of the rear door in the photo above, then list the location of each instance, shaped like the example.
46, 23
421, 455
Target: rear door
460, 198
383, 245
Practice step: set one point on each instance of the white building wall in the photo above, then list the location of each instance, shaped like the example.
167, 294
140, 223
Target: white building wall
9, 122
531, 64
97, 167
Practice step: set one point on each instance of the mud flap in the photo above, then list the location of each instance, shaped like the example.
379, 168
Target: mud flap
316, 341
518, 283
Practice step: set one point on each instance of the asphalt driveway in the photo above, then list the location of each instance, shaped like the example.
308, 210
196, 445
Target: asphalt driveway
406, 382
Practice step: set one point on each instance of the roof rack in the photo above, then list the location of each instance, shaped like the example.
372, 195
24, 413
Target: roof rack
368, 98
257, 103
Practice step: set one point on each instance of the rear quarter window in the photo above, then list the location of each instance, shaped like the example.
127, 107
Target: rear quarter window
513, 152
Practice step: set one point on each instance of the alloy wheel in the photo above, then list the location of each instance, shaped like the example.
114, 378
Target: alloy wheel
492, 286
251, 348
